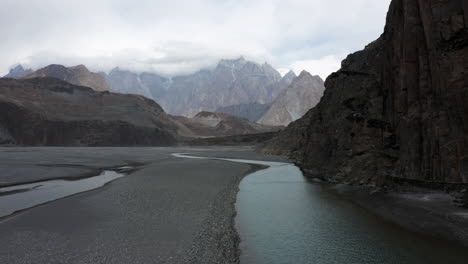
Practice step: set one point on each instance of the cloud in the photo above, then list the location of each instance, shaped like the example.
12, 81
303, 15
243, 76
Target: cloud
322, 66
183, 36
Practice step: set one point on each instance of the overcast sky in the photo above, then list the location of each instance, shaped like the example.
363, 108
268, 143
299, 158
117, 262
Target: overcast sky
179, 37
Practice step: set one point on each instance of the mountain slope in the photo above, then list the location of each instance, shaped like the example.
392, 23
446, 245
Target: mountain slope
250, 111
396, 110
224, 124
48, 111
293, 102
254, 111
149, 85
18, 72
78, 75
232, 82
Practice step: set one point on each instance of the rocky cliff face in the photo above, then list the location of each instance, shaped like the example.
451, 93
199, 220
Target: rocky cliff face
397, 109
292, 103
254, 111
18, 72
48, 111
78, 75
149, 85
232, 82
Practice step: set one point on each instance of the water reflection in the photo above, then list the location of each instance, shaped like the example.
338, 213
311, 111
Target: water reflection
20, 197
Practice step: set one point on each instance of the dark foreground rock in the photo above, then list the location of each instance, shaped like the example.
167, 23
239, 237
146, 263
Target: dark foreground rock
396, 110
47, 111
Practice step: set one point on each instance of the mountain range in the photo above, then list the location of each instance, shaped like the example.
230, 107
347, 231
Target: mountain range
236, 87
232, 82
47, 111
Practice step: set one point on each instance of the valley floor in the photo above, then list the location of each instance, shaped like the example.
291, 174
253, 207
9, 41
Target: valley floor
170, 210
166, 210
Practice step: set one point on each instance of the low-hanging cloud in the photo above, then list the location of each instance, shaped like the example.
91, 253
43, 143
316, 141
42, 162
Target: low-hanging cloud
180, 37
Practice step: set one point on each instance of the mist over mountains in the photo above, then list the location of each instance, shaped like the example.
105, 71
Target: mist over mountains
237, 87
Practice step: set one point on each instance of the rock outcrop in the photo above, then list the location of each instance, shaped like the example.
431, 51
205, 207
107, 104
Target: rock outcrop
77, 75
396, 110
18, 72
292, 103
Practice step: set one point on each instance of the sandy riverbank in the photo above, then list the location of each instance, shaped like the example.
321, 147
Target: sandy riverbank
170, 210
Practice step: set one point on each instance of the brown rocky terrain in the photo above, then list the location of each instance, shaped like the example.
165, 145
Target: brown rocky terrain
398, 110
50, 112
222, 124
293, 102
77, 75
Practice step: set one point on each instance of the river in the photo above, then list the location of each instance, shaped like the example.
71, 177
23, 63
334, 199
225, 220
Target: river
282, 218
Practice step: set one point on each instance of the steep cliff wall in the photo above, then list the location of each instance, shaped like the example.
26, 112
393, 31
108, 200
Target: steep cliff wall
397, 109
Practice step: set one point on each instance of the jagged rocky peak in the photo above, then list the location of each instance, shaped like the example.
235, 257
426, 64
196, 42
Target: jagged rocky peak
127, 82
301, 95
290, 76
268, 69
395, 111
232, 82
236, 63
78, 75
18, 71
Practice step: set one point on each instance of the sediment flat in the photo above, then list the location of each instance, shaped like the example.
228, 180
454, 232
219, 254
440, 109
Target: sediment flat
170, 210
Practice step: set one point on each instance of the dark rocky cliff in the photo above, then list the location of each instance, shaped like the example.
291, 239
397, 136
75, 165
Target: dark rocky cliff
396, 110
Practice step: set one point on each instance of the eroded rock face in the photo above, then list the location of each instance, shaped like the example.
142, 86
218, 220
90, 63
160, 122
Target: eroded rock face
232, 82
399, 108
77, 75
149, 85
293, 102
